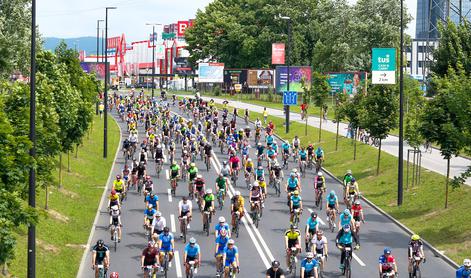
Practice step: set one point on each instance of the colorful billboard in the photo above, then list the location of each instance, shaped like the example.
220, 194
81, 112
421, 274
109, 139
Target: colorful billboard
211, 72
235, 76
346, 82
278, 53
261, 79
97, 68
297, 73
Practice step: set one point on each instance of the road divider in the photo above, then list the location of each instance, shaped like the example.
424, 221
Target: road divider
172, 223
177, 264
169, 193
167, 174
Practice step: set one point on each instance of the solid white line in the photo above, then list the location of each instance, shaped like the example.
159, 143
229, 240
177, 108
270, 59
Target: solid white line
165, 157
177, 264
166, 174
359, 261
318, 217
169, 192
172, 223
262, 241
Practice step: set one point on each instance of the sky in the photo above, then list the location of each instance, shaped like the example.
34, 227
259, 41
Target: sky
70, 19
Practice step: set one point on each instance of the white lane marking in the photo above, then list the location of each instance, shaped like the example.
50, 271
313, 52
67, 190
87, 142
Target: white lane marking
169, 192
318, 217
177, 264
165, 157
359, 261
172, 223
166, 174
262, 241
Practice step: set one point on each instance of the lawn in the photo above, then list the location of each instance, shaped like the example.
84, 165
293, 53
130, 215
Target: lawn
423, 208
63, 230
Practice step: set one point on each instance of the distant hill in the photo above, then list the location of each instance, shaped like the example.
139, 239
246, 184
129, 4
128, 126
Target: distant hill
83, 43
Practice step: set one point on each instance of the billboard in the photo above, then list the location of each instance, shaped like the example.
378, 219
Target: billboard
261, 79
211, 72
297, 73
182, 25
383, 66
346, 82
235, 76
278, 53
97, 68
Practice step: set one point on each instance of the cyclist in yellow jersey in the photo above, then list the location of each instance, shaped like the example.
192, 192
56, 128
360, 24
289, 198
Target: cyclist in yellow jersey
118, 185
292, 239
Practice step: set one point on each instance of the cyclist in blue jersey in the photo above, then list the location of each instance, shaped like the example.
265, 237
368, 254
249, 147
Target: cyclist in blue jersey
275, 146
295, 204
292, 184
221, 243
309, 266
346, 218
332, 205
153, 200
269, 139
167, 245
465, 270
222, 225
312, 226
192, 254
230, 257
149, 216
259, 173
345, 238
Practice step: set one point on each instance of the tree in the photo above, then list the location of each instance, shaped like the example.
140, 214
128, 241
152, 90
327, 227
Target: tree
320, 91
352, 114
447, 120
339, 112
378, 113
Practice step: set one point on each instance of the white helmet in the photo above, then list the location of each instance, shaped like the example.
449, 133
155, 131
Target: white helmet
320, 174
222, 219
115, 207
237, 193
255, 183
209, 191
467, 262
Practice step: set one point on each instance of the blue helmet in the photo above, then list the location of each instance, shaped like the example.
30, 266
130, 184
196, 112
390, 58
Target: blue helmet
346, 212
332, 193
387, 250
346, 228
353, 180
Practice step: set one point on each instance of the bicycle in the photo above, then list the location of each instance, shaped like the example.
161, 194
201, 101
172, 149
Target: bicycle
416, 273
114, 230
165, 263
248, 181
302, 168
149, 271
234, 176
191, 271
318, 164
100, 271
236, 227
173, 186
206, 221
296, 216
347, 268
221, 198
183, 227
233, 271
256, 213
277, 186
320, 259
285, 160
208, 162
331, 221
148, 230
319, 199
293, 260
158, 167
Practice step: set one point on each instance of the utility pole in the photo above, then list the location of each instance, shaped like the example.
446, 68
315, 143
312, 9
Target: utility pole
105, 126
400, 185
97, 55
288, 63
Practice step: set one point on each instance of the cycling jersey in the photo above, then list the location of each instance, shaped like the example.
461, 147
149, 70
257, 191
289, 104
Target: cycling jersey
230, 254
166, 240
331, 200
319, 243
150, 213
221, 183
249, 166
387, 262
149, 254
285, 146
343, 220
114, 198
271, 152
153, 201
269, 140
302, 154
319, 182
296, 201
193, 171
309, 265
238, 202
174, 169
312, 223
192, 251
118, 185
346, 238
100, 253
220, 227
356, 209
292, 183
222, 241
208, 199
292, 235
234, 161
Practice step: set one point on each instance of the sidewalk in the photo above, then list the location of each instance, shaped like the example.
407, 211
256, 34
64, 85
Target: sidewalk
431, 161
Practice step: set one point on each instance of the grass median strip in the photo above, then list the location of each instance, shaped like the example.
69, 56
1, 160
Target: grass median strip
63, 230
423, 208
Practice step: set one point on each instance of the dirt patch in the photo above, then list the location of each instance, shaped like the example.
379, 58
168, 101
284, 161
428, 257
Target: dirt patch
68, 193
58, 216
76, 246
47, 247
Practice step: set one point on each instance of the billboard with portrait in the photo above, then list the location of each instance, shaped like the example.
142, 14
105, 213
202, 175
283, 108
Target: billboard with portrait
94, 67
261, 79
346, 82
211, 72
297, 73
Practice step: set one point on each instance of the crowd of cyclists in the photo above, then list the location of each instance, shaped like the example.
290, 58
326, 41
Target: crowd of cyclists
194, 134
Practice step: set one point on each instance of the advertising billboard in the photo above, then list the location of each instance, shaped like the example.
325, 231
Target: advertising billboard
346, 82
211, 72
97, 68
182, 25
278, 53
297, 73
234, 76
383, 66
261, 79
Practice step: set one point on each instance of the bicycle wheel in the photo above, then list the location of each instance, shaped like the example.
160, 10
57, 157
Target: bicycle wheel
417, 273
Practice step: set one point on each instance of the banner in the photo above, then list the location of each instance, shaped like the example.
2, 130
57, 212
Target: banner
182, 25
261, 79
346, 82
235, 76
113, 42
278, 53
160, 52
94, 67
383, 66
297, 73
211, 72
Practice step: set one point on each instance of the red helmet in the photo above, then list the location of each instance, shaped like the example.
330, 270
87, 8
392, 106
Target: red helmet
310, 145
148, 177
114, 275
113, 192
118, 177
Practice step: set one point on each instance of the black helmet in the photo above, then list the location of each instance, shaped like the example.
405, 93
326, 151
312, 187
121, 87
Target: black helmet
166, 230
100, 242
275, 264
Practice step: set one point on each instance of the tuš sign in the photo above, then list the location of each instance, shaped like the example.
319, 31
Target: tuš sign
383, 66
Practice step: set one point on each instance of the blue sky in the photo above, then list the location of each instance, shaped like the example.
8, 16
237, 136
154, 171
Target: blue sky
68, 19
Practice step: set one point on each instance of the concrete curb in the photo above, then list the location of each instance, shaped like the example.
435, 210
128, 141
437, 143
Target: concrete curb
103, 196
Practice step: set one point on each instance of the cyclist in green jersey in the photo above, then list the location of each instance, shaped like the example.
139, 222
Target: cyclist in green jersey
193, 172
221, 183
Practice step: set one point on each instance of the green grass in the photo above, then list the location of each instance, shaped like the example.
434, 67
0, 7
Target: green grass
59, 249
423, 208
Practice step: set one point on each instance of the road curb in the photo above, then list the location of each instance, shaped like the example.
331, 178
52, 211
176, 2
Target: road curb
103, 196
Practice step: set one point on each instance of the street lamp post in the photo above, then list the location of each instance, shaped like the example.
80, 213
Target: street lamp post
288, 64
97, 54
153, 54
105, 123
400, 186
32, 136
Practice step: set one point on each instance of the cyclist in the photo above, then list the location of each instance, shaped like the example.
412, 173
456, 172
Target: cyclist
225, 170
346, 218
143, 156
358, 216
192, 254
259, 173
159, 154
100, 256
319, 184
148, 186
115, 220
208, 149
255, 197
159, 223
275, 271
237, 206
118, 185
208, 202
310, 152
387, 263
230, 257
126, 172
351, 190
345, 238
199, 185
465, 270
185, 208
319, 154
296, 143
222, 225
149, 216
234, 163
302, 157
221, 243
309, 266
141, 170
292, 239
249, 167
167, 244
415, 250
332, 206
319, 243
113, 199
192, 173
292, 185
150, 257
296, 203
153, 200
312, 227
347, 178
174, 171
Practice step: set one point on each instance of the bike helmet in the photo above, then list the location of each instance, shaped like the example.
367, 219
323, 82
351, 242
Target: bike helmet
296, 192
224, 162
113, 192
295, 170
159, 146
166, 230
357, 202
353, 180
346, 228
237, 193
332, 193
150, 244
320, 174
209, 191
192, 164
387, 250
310, 145
100, 242
292, 175
415, 237
349, 172
275, 264
114, 275
313, 214
192, 240
158, 214
249, 159
467, 262
149, 206
147, 177
255, 184
118, 177
309, 255
320, 232
230, 241
346, 212
222, 219
115, 207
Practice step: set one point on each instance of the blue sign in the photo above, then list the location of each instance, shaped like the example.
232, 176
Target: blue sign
290, 98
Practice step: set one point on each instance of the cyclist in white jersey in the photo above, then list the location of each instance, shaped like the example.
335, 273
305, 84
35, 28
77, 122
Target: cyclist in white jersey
319, 243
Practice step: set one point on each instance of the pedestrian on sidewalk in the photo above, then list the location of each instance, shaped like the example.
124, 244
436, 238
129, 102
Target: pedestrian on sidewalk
265, 115
303, 110
325, 109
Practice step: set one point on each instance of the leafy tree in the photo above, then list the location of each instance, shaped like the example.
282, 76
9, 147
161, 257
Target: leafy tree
339, 113
378, 114
321, 89
351, 112
415, 104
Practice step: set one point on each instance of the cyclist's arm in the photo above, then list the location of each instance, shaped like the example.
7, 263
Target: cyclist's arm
237, 258
301, 205
142, 261
93, 258
326, 248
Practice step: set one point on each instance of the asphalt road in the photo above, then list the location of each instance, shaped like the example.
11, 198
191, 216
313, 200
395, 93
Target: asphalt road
257, 246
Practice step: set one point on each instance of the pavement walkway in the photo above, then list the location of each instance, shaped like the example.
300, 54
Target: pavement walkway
432, 161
